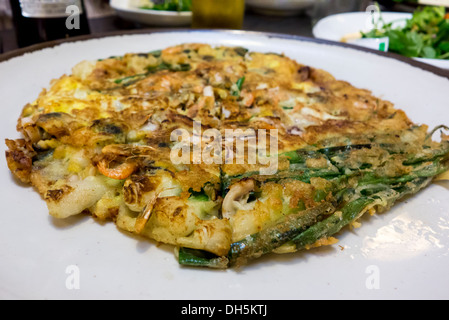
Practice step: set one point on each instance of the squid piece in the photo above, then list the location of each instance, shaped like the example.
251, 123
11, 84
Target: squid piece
237, 193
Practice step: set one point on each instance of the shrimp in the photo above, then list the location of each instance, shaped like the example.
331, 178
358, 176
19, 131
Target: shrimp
248, 98
143, 217
120, 172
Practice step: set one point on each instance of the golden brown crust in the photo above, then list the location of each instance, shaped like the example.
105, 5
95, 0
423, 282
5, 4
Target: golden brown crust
99, 140
19, 159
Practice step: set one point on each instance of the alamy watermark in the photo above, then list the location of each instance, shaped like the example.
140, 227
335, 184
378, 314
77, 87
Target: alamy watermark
233, 146
372, 282
73, 20
72, 281
374, 17
69, 9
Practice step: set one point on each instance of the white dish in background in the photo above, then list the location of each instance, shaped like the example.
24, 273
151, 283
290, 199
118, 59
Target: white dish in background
400, 254
126, 10
337, 26
279, 7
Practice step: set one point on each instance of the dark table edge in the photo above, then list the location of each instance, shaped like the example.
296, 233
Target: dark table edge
19, 52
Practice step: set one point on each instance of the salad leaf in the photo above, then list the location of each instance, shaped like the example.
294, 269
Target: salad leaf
169, 5
425, 35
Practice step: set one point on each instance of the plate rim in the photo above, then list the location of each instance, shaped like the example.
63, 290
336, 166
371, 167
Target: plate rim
245, 286
54, 43
354, 13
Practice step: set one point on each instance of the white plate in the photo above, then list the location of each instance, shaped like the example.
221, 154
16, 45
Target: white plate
279, 7
403, 253
126, 10
337, 26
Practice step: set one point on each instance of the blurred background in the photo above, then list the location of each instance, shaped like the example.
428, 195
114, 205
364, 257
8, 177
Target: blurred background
296, 17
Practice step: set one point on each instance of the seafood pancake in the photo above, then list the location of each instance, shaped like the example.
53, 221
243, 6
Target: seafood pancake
224, 153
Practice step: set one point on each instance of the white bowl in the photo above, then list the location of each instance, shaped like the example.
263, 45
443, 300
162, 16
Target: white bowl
279, 7
126, 10
338, 26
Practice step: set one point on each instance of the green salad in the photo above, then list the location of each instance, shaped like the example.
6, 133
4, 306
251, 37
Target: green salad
425, 35
167, 5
